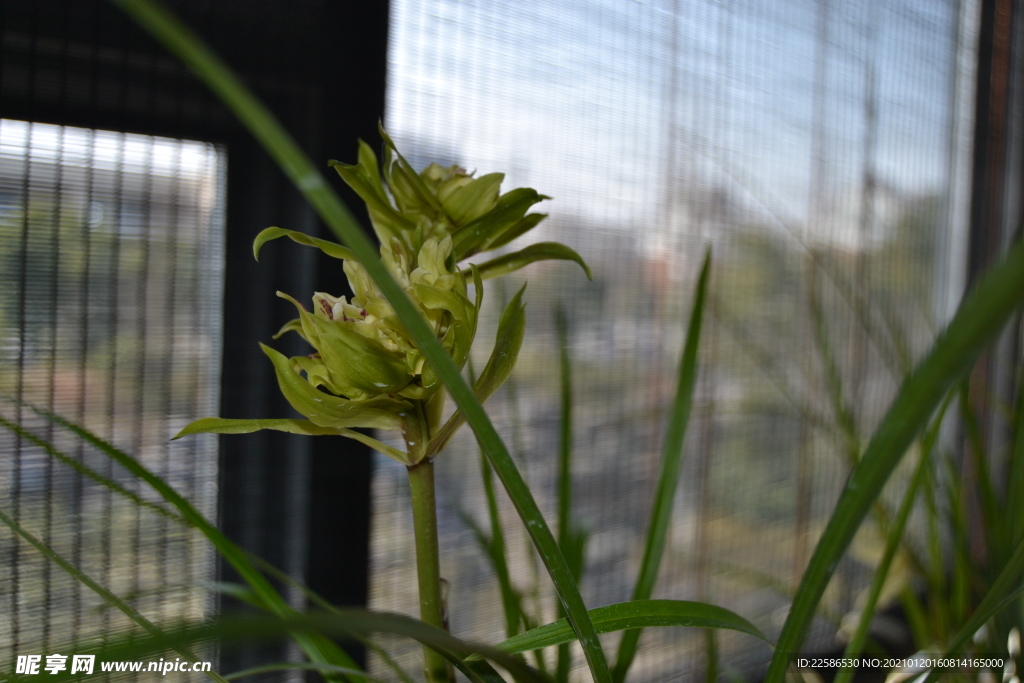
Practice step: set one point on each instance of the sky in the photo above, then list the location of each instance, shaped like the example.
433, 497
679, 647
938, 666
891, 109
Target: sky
608, 105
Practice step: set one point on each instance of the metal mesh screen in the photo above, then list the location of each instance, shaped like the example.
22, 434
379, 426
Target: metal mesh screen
820, 149
111, 262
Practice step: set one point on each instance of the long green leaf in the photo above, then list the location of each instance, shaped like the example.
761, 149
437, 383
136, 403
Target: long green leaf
542, 251
854, 647
671, 465
220, 425
317, 649
992, 519
86, 471
633, 615
1015, 478
833, 379
261, 123
565, 532
494, 551
95, 587
494, 546
978, 320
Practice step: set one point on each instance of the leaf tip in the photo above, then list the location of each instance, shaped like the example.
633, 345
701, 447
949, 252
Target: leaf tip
191, 428
265, 236
384, 135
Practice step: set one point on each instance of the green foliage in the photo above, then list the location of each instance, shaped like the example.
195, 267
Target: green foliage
635, 614
418, 324
671, 466
979, 319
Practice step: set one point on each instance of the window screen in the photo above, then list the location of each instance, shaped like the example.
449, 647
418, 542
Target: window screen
819, 150
110, 306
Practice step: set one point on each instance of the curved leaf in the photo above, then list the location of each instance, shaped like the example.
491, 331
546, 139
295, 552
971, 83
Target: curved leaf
220, 425
542, 251
508, 341
506, 217
521, 227
332, 249
978, 320
635, 614
327, 410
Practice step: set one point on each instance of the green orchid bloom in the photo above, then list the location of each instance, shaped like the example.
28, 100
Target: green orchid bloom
365, 371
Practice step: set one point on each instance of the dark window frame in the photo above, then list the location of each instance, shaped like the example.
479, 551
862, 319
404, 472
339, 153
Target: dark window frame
301, 503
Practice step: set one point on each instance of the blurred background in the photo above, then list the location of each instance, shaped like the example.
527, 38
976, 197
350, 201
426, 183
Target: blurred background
851, 166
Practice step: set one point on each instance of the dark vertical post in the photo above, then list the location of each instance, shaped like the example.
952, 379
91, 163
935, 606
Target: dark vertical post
992, 223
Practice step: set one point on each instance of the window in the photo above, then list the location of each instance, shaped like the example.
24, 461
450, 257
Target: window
820, 149
110, 315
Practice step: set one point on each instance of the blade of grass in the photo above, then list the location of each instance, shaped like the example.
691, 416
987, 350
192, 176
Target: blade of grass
319, 650
633, 615
564, 659
960, 583
532, 596
936, 569
711, 654
1015, 485
494, 550
671, 465
107, 596
782, 587
494, 546
1005, 589
978, 320
892, 544
565, 432
844, 414
833, 380
86, 471
282, 148
995, 538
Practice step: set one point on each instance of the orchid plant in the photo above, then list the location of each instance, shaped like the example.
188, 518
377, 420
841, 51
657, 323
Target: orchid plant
379, 360
366, 371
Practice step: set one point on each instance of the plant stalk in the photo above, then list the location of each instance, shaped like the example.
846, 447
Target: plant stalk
428, 564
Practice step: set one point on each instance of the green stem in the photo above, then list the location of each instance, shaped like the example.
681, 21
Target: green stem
428, 564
